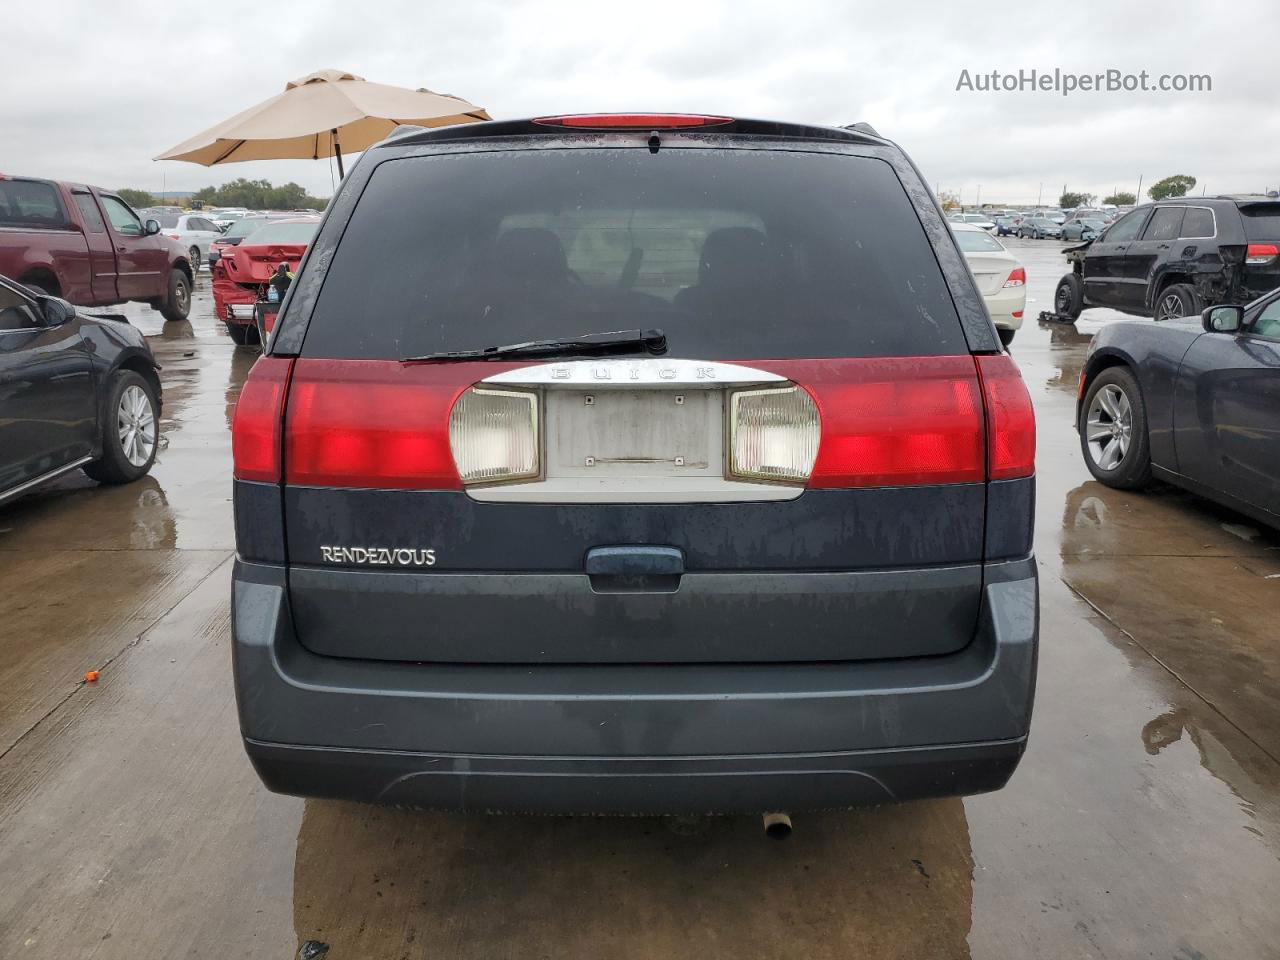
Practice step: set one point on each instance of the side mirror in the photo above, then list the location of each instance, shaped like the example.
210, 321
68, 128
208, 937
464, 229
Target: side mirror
56, 311
1228, 318
151, 228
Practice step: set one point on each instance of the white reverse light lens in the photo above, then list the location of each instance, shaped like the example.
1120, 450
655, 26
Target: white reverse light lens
774, 434
494, 436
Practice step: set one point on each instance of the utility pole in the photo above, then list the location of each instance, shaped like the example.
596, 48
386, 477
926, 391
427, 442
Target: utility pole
1040, 195
979, 196
1138, 195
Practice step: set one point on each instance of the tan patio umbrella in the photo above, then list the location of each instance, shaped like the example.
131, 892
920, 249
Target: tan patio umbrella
319, 116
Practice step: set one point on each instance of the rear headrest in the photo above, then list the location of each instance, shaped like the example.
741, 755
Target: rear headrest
530, 253
735, 256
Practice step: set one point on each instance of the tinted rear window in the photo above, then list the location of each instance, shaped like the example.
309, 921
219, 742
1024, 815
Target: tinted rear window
974, 241
244, 227
30, 203
733, 253
1261, 222
281, 233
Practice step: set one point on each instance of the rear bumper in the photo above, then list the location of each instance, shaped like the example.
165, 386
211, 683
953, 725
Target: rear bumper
635, 739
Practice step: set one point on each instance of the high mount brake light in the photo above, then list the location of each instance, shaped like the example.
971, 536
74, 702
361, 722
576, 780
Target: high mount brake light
632, 121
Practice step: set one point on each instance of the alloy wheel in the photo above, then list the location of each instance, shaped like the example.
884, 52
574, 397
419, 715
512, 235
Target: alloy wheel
136, 423
1109, 427
1170, 307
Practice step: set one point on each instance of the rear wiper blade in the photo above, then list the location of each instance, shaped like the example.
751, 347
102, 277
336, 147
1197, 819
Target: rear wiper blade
592, 345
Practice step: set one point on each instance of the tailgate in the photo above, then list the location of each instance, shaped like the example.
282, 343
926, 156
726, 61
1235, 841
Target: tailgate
630, 546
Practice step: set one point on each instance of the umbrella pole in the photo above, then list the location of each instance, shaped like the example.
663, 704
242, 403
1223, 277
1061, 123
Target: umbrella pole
337, 151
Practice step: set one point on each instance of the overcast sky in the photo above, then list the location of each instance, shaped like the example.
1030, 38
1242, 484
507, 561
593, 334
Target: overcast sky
98, 90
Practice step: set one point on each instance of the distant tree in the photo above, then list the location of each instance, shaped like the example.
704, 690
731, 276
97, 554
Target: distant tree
258, 195
1070, 200
1121, 199
1175, 186
949, 201
137, 198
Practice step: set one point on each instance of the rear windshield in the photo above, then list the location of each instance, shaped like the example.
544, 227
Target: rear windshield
1262, 221
242, 228
974, 241
282, 233
30, 203
166, 220
732, 253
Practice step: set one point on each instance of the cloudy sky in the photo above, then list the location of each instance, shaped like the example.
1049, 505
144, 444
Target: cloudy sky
94, 96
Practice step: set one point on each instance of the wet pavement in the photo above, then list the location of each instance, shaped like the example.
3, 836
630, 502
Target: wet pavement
1144, 820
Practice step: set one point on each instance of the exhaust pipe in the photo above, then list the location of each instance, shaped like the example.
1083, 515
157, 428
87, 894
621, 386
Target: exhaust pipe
777, 825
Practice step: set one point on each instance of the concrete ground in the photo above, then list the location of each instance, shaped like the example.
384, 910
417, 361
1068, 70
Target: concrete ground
1143, 822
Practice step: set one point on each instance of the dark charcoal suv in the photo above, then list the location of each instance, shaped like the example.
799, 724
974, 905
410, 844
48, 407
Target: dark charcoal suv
1174, 258
634, 464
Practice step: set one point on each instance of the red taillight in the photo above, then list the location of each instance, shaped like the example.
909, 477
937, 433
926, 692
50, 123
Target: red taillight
1259, 253
1017, 314
632, 121
894, 421
1011, 421
1018, 278
375, 423
255, 429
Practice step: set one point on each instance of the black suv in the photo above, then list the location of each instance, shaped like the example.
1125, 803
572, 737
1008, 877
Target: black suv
1176, 257
626, 464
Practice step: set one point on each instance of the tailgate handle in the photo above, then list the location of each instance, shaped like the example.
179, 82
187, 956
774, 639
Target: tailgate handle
635, 569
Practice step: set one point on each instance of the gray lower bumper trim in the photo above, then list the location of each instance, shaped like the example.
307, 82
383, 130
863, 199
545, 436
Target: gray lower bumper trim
669, 785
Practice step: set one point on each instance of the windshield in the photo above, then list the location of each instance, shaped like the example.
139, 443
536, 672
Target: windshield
978, 241
733, 253
282, 233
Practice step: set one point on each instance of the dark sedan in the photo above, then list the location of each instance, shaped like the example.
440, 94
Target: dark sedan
1192, 401
75, 391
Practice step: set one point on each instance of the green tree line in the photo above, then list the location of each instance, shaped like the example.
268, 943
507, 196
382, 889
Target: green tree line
258, 195
254, 194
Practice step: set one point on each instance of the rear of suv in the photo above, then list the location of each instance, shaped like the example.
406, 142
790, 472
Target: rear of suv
634, 464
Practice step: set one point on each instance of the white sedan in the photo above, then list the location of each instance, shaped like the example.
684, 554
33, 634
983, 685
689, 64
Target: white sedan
193, 230
1002, 281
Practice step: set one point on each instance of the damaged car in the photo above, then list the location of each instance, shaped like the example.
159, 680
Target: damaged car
1175, 258
243, 273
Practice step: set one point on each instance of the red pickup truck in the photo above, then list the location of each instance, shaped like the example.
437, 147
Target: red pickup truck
89, 247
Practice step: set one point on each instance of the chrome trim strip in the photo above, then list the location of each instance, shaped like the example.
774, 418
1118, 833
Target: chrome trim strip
51, 475
630, 373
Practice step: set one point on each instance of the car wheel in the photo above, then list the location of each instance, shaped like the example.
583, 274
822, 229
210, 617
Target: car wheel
130, 430
1179, 300
242, 336
1068, 299
177, 303
194, 254
1113, 430
1005, 335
